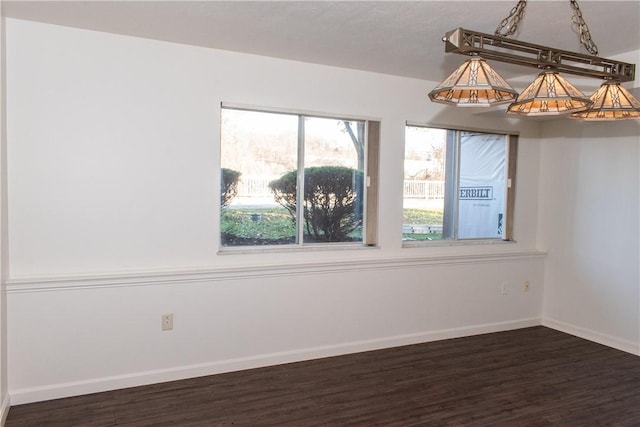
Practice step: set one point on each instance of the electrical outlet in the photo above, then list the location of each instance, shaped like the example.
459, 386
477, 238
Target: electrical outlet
526, 286
504, 289
167, 322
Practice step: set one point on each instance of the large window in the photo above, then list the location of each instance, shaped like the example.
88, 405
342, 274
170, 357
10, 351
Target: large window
457, 184
294, 179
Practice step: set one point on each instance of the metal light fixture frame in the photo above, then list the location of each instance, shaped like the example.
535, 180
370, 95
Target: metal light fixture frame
498, 48
559, 97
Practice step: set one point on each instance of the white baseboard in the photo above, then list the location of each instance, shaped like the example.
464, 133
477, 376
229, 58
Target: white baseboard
55, 391
4, 410
588, 334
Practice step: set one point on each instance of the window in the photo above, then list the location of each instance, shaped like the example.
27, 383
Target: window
295, 179
457, 184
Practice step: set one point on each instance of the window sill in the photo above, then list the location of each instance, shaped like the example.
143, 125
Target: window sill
444, 243
234, 250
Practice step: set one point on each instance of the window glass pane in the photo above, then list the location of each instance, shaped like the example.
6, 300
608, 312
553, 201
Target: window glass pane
424, 183
256, 149
482, 185
333, 177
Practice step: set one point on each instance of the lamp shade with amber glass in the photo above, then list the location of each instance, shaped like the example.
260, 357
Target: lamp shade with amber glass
473, 84
611, 102
549, 95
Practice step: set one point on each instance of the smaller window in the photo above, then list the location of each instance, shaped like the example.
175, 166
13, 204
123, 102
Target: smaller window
457, 184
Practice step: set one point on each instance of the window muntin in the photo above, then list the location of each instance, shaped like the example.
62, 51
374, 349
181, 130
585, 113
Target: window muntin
286, 161
456, 185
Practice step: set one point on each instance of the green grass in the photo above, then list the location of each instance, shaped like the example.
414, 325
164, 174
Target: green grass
265, 223
422, 216
262, 226
275, 223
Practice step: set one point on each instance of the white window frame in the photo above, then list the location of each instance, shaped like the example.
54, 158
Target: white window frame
370, 174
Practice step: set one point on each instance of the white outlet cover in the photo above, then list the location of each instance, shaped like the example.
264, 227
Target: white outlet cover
166, 322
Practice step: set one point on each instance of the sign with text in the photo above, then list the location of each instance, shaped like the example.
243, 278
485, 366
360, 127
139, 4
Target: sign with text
476, 193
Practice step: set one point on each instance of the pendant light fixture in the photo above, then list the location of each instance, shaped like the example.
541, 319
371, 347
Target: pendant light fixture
611, 102
549, 95
475, 83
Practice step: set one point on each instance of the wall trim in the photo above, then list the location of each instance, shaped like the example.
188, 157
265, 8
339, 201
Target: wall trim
55, 391
4, 410
591, 335
159, 277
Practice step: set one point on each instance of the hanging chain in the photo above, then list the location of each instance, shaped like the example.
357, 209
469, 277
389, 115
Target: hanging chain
583, 29
509, 25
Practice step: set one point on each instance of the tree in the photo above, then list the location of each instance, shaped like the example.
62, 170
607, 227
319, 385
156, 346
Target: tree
331, 201
438, 156
228, 185
357, 138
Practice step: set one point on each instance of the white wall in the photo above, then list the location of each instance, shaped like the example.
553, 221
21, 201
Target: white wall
589, 224
113, 152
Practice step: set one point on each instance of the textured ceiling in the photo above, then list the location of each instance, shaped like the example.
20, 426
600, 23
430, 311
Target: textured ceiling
394, 37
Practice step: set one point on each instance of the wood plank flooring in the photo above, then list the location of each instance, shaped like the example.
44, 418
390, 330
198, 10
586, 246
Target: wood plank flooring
528, 377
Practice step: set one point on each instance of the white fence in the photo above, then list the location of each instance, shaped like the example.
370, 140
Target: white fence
255, 186
423, 189
258, 186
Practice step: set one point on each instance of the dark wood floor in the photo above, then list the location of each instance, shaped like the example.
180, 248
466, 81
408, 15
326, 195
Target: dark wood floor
529, 377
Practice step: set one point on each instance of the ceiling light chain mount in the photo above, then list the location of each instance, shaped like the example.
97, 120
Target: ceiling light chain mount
510, 23
549, 94
583, 29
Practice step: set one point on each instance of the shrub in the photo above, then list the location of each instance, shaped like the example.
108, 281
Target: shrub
332, 201
228, 186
